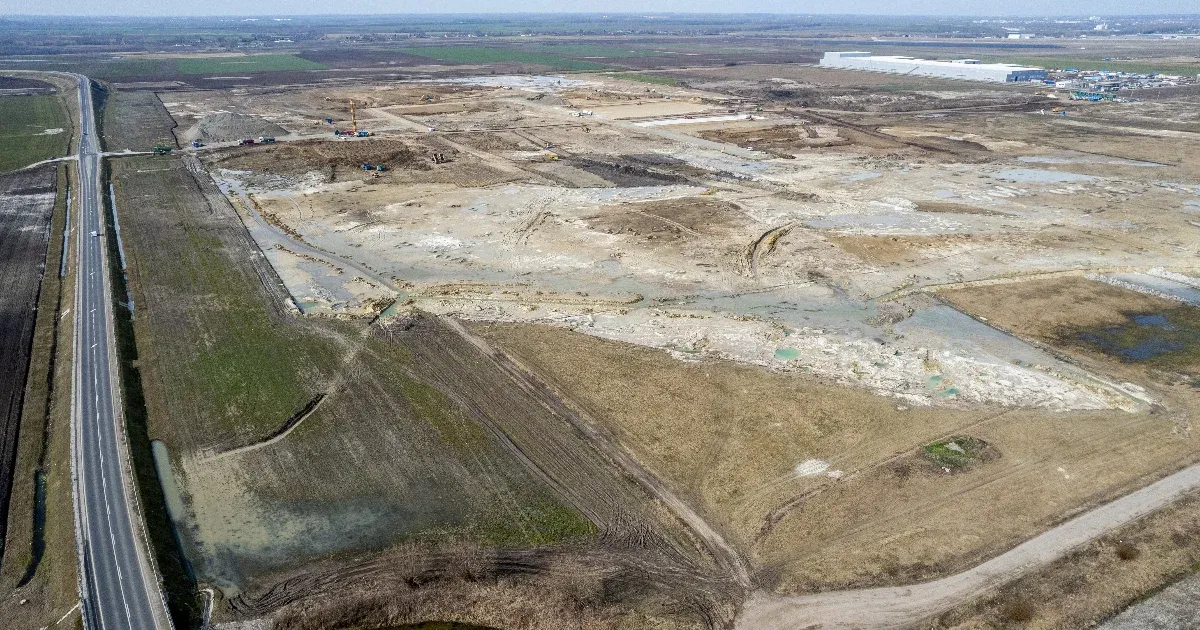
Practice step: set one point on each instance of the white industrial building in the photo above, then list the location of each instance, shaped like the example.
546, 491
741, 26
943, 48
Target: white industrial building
969, 69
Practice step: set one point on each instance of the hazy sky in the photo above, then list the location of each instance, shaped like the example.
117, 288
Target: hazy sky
888, 7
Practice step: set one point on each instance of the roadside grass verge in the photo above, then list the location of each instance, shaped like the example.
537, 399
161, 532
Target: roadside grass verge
249, 63
24, 121
480, 54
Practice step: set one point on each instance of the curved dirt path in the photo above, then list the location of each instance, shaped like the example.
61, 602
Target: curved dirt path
895, 607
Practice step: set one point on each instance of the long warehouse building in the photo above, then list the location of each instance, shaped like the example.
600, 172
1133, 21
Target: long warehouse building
969, 69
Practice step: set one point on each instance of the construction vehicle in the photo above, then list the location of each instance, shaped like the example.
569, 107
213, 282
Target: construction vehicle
329, 121
354, 125
160, 149
266, 139
196, 144
367, 167
379, 168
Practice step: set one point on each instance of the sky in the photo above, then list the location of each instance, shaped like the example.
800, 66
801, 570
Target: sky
881, 7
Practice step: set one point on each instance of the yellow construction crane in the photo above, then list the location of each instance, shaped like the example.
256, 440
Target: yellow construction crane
353, 118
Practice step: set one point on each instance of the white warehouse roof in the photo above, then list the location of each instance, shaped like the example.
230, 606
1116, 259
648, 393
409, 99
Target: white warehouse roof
969, 69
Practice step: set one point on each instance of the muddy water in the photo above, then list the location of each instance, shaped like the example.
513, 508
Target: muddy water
1041, 176
166, 475
1168, 339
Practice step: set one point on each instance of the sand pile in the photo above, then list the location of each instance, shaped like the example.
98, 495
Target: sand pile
229, 127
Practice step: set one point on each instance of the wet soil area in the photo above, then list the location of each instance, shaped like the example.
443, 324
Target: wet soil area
1168, 340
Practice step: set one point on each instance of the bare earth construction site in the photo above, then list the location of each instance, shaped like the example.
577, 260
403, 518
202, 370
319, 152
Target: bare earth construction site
464, 334
788, 318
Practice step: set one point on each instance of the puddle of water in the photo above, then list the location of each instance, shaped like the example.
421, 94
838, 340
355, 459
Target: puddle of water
39, 528
1041, 176
166, 476
858, 177
1083, 159
787, 354
1165, 338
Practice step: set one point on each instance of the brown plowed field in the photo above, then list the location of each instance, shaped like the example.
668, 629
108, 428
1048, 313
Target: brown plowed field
26, 204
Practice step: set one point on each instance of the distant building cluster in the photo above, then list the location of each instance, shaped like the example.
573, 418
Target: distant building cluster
968, 69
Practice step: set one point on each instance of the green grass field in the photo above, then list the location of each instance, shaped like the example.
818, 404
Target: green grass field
476, 54
251, 63
23, 119
596, 50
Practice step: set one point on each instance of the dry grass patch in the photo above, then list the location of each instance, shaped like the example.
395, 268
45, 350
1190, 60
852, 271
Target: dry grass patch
733, 438
899, 249
1095, 581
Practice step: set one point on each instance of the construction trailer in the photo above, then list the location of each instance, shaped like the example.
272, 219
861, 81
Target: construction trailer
968, 69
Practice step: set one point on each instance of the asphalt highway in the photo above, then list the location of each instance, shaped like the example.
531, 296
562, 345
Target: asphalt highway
118, 588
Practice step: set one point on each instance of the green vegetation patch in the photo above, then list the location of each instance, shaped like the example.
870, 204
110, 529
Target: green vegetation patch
479, 54
959, 453
597, 50
28, 127
229, 364
251, 63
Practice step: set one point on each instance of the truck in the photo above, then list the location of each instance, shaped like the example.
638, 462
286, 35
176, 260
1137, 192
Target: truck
265, 140
160, 149
247, 141
364, 134
196, 144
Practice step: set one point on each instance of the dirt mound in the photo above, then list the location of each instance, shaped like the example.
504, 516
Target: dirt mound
229, 127
391, 153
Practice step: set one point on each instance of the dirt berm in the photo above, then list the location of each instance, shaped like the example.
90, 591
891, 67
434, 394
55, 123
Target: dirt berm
228, 127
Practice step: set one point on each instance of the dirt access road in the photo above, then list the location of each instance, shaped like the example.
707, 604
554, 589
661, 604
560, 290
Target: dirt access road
900, 606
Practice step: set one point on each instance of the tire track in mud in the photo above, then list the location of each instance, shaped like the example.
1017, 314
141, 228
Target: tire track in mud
763, 246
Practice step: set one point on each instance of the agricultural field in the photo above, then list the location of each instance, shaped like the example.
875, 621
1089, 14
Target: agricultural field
32, 129
481, 55
246, 63
141, 123
38, 562
26, 205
